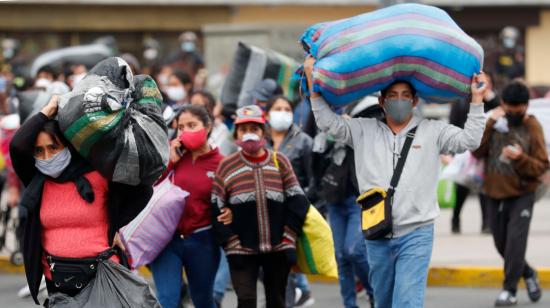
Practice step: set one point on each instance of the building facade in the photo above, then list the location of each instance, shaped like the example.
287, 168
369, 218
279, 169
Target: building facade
277, 24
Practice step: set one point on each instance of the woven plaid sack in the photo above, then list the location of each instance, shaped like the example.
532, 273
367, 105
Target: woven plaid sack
417, 43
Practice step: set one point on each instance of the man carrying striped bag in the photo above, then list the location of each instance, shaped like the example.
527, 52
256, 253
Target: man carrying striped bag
399, 261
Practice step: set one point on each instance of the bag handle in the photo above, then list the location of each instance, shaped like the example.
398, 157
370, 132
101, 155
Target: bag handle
172, 175
275, 160
401, 162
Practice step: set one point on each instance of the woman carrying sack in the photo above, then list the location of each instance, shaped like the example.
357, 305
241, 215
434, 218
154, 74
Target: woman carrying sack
267, 207
74, 213
193, 162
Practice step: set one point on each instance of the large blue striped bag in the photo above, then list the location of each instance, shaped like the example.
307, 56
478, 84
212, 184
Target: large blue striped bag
421, 44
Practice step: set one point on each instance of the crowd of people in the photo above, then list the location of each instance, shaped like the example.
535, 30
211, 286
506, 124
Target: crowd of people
252, 175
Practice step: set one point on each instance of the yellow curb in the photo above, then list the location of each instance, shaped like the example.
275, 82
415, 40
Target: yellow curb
456, 276
450, 276
7, 267
477, 276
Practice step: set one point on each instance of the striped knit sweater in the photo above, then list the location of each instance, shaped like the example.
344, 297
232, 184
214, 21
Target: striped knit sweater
268, 204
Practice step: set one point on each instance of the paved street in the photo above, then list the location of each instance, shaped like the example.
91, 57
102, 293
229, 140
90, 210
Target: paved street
468, 248
472, 248
326, 296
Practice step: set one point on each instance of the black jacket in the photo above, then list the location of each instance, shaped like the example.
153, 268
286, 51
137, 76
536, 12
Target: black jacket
460, 109
297, 147
124, 202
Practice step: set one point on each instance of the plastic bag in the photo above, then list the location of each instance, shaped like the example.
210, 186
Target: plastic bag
29, 108
315, 247
250, 66
421, 44
114, 120
465, 170
446, 194
26, 102
146, 235
114, 286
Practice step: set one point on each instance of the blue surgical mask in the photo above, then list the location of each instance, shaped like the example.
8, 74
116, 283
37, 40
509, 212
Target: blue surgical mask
188, 46
54, 165
509, 42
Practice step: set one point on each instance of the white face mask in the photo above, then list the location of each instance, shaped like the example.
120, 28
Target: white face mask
163, 80
150, 54
250, 137
54, 165
176, 93
42, 83
78, 78
280, 120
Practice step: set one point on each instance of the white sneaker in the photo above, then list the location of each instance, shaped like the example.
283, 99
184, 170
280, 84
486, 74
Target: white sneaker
42, 284
26, 291
305, 300
505, 298
297, 295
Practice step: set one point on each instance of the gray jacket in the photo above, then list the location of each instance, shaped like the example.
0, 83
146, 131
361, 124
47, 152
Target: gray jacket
377, 151
297, 147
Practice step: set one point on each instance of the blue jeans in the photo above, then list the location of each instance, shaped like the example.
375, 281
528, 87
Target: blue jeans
222, 278
351, 250
399, 268
295, 280
301, 282
199, 255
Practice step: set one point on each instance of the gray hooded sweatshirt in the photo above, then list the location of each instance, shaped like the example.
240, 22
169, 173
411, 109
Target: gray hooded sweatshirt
377, 150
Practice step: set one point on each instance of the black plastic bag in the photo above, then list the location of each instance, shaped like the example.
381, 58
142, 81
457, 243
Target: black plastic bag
113, 119
114, 286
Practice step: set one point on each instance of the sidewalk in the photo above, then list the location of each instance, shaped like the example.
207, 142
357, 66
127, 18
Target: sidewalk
468, 259
472, 248
471, 259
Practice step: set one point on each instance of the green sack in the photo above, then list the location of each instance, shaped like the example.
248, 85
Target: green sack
446, 194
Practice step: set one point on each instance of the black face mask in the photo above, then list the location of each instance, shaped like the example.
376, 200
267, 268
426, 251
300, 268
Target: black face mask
515, 119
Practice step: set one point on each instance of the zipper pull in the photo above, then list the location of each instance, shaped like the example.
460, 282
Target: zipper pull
52, 264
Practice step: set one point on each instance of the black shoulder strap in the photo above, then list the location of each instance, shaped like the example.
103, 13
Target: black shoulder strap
402, 158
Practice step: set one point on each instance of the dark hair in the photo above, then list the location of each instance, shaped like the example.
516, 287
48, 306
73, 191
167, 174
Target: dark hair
49, 70
210, 100
156, 69
197, 111
386, 89
182, 76
51, 127
262, 126
515, 93
273, 99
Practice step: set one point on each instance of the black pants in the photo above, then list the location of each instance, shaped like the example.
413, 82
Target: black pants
244, 271
510, 219
462, 193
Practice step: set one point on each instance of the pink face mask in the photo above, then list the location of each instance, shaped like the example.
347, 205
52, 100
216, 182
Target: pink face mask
251, 143
193, 140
